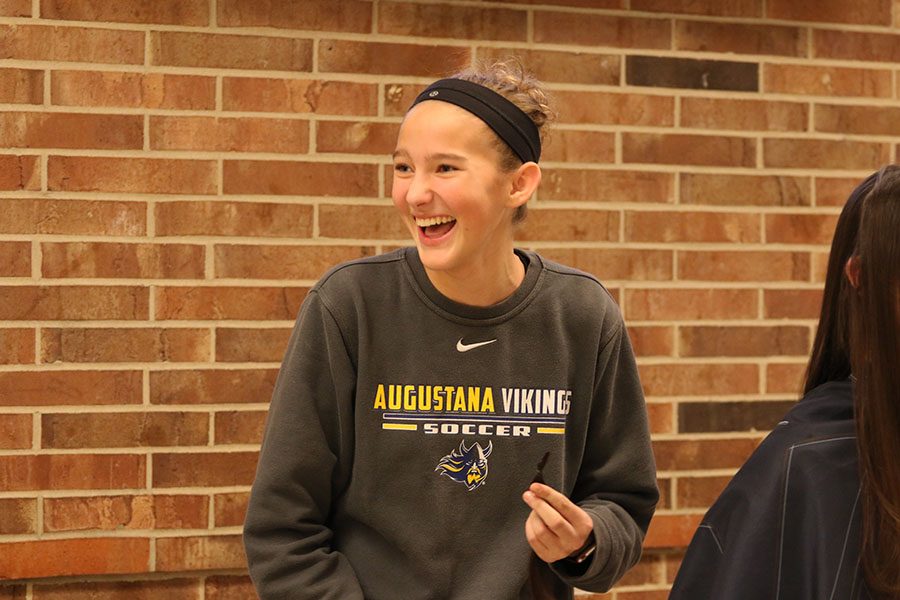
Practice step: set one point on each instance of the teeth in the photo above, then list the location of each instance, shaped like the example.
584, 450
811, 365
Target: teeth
433, 221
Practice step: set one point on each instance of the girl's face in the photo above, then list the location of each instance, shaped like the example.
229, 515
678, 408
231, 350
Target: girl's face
449, 189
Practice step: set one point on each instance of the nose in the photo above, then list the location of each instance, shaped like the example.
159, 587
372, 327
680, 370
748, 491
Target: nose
419, 191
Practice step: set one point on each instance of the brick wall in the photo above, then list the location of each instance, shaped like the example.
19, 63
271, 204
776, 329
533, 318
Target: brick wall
175, 175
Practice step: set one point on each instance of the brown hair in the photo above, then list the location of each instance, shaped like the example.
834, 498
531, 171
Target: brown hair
510, 79
830, 358
874, 352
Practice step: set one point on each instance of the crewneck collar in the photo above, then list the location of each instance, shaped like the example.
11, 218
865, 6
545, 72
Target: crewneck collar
481, 315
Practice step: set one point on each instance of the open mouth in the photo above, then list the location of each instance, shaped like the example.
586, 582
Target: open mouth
435, 227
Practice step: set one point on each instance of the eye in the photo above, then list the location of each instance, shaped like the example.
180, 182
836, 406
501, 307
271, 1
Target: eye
445, 168
402, 168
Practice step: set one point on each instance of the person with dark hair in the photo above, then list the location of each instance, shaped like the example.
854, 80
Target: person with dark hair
421, 388
815, 511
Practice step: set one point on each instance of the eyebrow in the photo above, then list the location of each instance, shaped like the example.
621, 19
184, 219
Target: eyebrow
432, 157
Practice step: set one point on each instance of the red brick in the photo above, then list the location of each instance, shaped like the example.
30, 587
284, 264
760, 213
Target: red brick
447, 21
740, 190
216, 303
119, 430
649, 340
16, 346
700, 492
649, 570
824, 154
661, 417
691, 227
255, 219
860, 12
792, 304
616, 263
15, 8
819, 266
78, 217
574, 3
706, 36
19, 517
68, 130
743, 266
212, 386
383, 58
203, 469
15, 259
125, 345
605, 108
356, 137
562, 67
834, 191
690, 304
240, 427
743, 115
318, 15
54, 558
785, 228
687, 149
591, 185
827, 81
168, 12
398, 97
229, 134
142, 175
689, 455
601, 30
19, 173
785, 378
51, 388
361, 222
196, 553
580, 146
282, 262
70, 303
12, 592
669, 531
300, 178
699, 380
132, 90
169, 589
251, 345
21, 86
569, 225
15, 432
299, 95
229, 587
126, 512
719, 8
212, 50
716, 341
131, 261
873, 120
72, 44
71, 472
230, 509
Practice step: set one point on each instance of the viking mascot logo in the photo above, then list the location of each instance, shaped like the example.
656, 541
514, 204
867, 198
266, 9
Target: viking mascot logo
468, 466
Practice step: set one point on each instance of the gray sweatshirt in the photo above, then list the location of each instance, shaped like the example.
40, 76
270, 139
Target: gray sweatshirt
404, 428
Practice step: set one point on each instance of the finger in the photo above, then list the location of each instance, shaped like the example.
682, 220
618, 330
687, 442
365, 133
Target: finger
533, 527
570, 511
551, 518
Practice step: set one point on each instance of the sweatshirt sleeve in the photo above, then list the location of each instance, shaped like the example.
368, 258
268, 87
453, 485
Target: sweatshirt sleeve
616, 484
304, 464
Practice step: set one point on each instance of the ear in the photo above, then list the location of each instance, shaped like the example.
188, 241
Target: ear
523, 183
851, 269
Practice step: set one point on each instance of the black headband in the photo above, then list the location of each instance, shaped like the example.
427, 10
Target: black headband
506, 119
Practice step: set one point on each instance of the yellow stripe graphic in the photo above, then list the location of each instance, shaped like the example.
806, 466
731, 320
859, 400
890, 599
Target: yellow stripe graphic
553, 430
400, 426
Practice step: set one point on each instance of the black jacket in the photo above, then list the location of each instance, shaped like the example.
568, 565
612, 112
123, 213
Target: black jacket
787, 527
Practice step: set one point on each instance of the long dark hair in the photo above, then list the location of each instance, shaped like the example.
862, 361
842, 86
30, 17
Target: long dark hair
875, 356
830, 359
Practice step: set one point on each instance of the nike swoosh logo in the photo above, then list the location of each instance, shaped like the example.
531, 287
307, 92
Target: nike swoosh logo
466, 347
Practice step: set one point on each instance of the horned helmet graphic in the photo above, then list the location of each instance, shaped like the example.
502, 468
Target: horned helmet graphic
466, 465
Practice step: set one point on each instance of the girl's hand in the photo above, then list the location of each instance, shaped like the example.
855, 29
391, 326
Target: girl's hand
556, 527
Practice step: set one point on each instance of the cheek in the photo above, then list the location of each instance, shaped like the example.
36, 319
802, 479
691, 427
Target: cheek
398, 194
